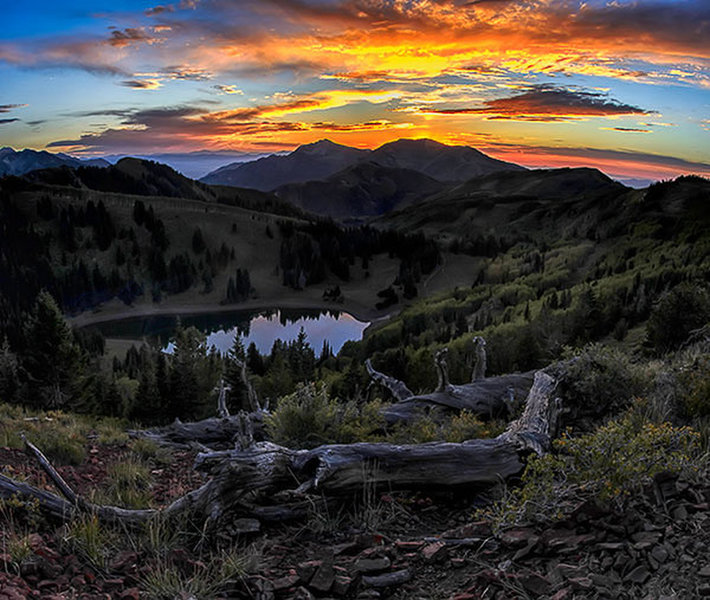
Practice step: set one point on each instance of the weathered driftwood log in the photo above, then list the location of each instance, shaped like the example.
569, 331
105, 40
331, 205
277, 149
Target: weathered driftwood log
240, 476
205, 433
398, 388
345, 468
486, 397
480, 364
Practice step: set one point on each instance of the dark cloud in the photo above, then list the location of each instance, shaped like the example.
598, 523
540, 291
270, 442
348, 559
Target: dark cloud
185, 72
629, 129
158, 10
8, 107
141, 84
548, 103
131, 35
160, 128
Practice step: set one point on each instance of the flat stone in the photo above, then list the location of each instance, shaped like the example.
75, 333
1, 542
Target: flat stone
368, 595
565, 571
705, 571
307, 569
646, 536
601, 580
388, 579
581, 583
372, 565
610, 546
301, 593
288, 581
406, 546
680, 513
638, 575
517, 538
659, 554
342, 585
434, 551
324, 576
535, 584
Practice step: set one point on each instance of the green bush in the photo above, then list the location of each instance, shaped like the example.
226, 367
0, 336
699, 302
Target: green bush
309, 417
615, 461
600, 381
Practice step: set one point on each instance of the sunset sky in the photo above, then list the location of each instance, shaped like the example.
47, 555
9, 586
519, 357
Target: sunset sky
620, 85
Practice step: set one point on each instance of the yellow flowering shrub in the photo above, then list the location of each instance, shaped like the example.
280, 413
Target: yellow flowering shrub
614, 461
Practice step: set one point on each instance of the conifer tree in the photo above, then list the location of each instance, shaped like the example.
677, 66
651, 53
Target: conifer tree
53, 360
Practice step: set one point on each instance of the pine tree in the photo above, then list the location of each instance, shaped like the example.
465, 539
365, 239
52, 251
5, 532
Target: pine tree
198, 242
255, 362
53, 360
149, 409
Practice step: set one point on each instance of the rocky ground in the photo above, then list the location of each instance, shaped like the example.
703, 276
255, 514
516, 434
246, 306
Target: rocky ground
396, 546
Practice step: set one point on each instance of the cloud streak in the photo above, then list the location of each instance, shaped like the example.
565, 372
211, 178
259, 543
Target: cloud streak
546, 103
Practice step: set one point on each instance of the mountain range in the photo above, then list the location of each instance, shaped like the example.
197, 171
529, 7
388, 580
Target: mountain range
322, 159
194, 164
13, 162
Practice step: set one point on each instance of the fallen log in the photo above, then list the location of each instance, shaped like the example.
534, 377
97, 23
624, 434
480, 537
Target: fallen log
242, 476
207, 433
493, 397
486, 397
345, 468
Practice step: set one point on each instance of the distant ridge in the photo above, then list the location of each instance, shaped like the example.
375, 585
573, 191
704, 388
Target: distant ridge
309, 162
14, 162
128, 176
437, 160
362, 190
324, 158
194, 164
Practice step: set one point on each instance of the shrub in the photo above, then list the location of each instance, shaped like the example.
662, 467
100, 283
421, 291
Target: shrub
607, 466
309, 417
467, 426
600, 381
304, 419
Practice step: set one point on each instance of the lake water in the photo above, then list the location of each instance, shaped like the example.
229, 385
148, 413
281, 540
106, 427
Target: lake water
260, 327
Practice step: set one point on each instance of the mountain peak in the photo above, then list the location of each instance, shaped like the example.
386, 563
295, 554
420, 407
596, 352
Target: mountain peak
321, 147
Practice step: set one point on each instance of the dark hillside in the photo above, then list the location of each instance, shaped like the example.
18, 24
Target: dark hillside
365, 189
442, 162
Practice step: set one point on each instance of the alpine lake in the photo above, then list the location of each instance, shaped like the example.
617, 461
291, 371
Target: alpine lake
262, 327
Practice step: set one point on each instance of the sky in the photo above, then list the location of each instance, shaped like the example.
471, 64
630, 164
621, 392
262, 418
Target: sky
620, 85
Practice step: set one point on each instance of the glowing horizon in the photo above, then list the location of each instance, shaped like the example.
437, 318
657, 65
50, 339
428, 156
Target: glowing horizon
621, 86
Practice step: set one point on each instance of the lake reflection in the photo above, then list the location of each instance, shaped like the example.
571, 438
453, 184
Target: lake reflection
260, 327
